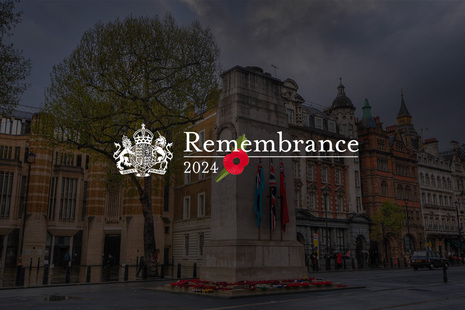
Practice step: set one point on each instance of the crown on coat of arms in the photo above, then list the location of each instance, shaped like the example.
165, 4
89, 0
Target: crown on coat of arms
140, 136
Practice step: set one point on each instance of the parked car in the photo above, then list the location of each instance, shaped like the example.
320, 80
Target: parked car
428, 259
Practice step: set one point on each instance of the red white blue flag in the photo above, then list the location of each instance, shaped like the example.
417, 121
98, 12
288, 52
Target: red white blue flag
272, 183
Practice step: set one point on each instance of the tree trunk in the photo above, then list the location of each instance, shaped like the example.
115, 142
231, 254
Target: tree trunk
149, 230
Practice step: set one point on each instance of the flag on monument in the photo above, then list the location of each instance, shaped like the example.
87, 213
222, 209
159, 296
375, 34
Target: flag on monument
272, 183
282, 192
259, 187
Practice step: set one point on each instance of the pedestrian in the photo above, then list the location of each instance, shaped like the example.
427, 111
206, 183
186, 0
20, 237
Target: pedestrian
66, 260
141, 266
339, 261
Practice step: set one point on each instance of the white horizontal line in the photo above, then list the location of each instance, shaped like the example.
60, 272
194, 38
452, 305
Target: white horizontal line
276, 156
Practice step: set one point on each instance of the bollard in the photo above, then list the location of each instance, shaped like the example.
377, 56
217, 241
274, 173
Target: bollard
38, 264
162, 274
353, 263
137, 262
392, 263
89, 270
30, 264
67, 274
178, 275
45, 280
405, 262
344, 260
384, 262
156, 272
194, 275
444, 273
126, 272
398, 262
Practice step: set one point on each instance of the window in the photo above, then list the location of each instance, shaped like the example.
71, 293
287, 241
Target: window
5, 152
187, 178
311, 200
310, 173
433, 181
201, 205
290, 116
186, 244
84, 201
22, 197
307, 120
381, 144
400, 192
68, 198
359, 204
52, 198
422, 178
408, 193
297, 199
187, 208
201, 243
6, 186
357, 178
318, 123
331, 126
295, 166
324, 174
384, 188
337, 176
339, 200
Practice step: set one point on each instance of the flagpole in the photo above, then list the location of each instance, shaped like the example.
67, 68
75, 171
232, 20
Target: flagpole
281, 198
269, 199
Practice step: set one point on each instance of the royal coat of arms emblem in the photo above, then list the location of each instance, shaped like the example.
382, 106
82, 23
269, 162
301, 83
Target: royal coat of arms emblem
143, 158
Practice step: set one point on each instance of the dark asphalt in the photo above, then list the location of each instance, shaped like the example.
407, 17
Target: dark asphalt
385, 289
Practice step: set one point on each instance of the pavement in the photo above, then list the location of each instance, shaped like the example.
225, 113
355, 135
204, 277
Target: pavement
384, 289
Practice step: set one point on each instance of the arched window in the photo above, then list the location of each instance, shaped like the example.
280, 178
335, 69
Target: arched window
444, 184
427, 179
400, 192
433, 182
449, 183
439, 182
422, 178
408, 194
384, 188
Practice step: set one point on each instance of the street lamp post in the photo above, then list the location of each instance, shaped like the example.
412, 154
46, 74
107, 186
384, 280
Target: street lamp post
30, 158
459, 228
408, 226
325, 197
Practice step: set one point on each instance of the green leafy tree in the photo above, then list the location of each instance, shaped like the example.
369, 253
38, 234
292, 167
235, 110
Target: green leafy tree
128, 72
387, 224
14, 68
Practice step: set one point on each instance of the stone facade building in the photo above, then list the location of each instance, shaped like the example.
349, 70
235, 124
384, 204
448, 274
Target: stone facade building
76, 203
330, 217
437, 197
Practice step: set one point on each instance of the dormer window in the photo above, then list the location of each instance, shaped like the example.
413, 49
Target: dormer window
306, 120
318, 123
331, 126
290, 116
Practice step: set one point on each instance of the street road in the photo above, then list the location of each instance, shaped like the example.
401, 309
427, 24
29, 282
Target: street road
385, 289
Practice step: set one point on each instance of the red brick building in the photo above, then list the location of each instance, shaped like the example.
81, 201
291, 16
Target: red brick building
389, 172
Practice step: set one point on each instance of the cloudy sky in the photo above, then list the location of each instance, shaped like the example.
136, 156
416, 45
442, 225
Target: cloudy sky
376, 47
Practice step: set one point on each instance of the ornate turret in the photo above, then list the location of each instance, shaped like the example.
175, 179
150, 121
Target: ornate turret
403, 117
341, 101
367, 118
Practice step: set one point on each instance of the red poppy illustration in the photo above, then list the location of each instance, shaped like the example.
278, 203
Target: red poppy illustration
236, 168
